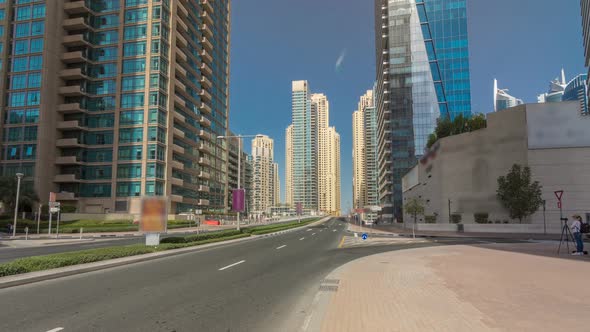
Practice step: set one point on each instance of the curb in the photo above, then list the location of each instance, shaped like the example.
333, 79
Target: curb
33, 277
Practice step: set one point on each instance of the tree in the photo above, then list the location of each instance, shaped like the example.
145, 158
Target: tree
27, 196
518, 193
476, 122
445, 127
431, 140
414, 207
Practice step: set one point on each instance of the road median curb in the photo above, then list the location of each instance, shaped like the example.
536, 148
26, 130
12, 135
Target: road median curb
37, 276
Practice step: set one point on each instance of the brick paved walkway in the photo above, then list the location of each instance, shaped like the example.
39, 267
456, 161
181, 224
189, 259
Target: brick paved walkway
488, 287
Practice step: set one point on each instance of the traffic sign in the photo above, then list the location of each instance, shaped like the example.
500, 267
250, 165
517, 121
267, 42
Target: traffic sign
365, 236
559, 194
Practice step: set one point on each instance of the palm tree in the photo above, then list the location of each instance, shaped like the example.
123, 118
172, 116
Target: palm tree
27, 196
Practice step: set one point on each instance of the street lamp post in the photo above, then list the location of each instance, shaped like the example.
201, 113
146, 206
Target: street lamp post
18, 177
239, 137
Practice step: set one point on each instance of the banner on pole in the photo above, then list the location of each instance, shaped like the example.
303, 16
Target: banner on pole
154, 216
239, 200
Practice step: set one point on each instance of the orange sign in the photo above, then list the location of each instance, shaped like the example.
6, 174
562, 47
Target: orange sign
154, 217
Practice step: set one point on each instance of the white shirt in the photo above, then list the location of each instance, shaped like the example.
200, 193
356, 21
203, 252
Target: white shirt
576, 226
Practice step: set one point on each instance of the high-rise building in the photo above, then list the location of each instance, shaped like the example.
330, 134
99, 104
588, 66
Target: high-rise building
422, 73
289, 166
235, 146
359, 150
577, 89
585, 5
555, 92
265, 169
276, 185
313, 162
371, 192
502, 100
304, 143
111, 100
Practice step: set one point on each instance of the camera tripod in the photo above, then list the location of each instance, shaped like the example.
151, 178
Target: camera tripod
566, 235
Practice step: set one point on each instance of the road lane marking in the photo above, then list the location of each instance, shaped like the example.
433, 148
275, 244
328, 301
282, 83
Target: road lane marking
309, 229
341, 242
56, 329
281, 247
301, 239
312, 234
333, 230
231, 265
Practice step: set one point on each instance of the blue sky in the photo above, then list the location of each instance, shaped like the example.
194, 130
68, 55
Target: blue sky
522, 43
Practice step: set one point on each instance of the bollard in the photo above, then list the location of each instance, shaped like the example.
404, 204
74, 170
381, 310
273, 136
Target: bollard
81, 230
27, 233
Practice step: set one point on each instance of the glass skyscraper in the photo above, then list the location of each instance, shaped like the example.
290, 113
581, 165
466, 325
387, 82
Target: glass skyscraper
111, 100
577, 89
422, 74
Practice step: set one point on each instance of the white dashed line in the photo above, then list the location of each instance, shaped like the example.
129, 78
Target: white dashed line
301, 239
309, 229
231, 265
312, 234
281, 247
56, 329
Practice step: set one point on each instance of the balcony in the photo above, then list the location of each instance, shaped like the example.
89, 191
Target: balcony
72, 91
78, 23
65, 178
181, 40
67, 160
179, 85
181, 56
206, 17
203, 202
204, 175
177, 182
179, 117
203, 161
206, 5
178, 132
65, 196
69, 125
180, 70
75, 40
206, 31
204, 189
206, 56
70, 108
205, 148
205, 95
206, 82
77, 7
73, 74
68, 143
179, 101
182, 25
206, 69
206, 108
204, 121
207, 44
176, 198
177, 164
74, 57
177, 149
205, 135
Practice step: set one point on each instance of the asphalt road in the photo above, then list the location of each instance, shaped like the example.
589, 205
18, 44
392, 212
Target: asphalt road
266, 284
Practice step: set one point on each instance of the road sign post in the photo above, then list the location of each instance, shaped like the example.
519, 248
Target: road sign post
559, 195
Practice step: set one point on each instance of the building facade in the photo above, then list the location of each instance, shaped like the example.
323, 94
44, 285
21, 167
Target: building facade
585, 5
461, 177
577, 89
422, 73
110, 100
502, 100
264, 176
313, 162
358, 156
555, 92
235, 146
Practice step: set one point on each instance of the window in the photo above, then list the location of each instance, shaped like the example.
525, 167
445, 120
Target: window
37, 28
29, 151
30, 133
21, 47
129, 171
14, 134
134, 49
104, 54
17, 99
102, 87
15, 116
33, 98
18, 82
135, 32
105, 21
39, 11
130, 100
131, 118
13, 152
130, 152
133, 66
133, 83
22, 30
130, 135
23, 13
127, 189
131, 3
20, 64
106, 37
36, 45
34, 80
36, 62
32, 116
156, 152
2, 14
1, 30
136, 15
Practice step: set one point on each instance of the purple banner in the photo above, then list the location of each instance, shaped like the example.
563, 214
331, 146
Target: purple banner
239, 200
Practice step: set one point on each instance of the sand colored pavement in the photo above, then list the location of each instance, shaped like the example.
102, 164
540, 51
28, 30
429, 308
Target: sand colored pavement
495, 287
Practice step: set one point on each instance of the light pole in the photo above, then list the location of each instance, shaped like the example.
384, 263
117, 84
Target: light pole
239, 137
18, 177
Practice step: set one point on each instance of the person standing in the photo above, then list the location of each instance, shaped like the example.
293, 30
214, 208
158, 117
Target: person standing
577, 231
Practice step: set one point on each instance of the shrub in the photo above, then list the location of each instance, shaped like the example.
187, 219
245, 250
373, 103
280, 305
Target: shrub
430, 219
68, 209
481, 218
456, 218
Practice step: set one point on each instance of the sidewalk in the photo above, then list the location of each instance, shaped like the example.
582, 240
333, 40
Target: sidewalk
496, 287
